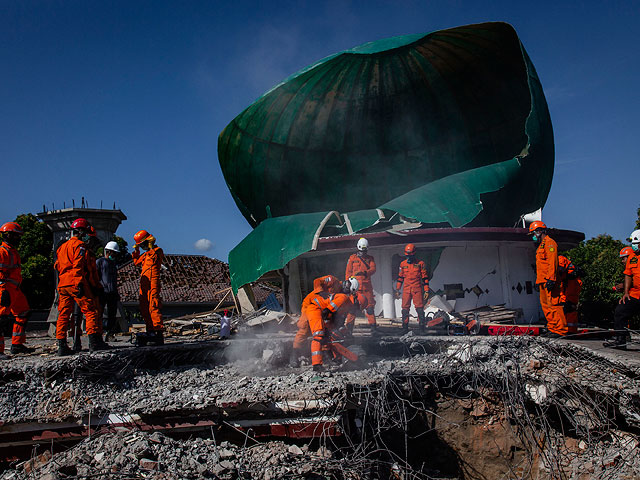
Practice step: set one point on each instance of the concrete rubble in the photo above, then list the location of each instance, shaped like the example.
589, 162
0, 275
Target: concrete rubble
555, 410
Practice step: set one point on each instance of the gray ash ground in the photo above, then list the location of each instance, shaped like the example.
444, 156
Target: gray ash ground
553, 376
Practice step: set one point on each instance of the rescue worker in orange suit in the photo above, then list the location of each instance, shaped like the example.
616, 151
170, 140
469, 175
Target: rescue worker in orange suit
548, 281
362, 266
320, 313
74, 286
571, 285
359, 302
629, 304
326, 283
414, 282
150, 286
13, 303
624, 256
95, 287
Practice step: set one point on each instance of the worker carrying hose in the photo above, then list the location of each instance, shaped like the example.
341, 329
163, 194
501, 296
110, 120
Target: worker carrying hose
571, 285
14, 307
74, 287
150, 286
414, 282
326, 283
362, 266
547, 280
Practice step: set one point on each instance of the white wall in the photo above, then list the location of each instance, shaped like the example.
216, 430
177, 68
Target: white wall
466, 263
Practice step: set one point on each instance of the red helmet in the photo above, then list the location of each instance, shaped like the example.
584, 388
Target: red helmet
536, 225
80, 223
141, 236
410, 249
12, 227
625, 252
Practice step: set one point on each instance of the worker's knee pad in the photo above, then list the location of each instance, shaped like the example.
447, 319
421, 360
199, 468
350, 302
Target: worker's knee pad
369, 310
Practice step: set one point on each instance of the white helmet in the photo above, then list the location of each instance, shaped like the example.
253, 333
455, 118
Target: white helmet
113, 246
363, 245
635, 236
352, 285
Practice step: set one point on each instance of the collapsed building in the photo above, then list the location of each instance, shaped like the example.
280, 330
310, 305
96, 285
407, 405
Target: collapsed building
401, 140
443, 140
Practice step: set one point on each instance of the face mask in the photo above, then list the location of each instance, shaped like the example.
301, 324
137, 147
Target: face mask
111, 257
535, 238
85, 238
635, 247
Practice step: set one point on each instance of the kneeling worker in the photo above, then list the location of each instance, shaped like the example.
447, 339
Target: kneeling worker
630, 302
150, 286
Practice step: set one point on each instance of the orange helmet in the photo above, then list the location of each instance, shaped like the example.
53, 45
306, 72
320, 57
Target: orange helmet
92, 231
13, 227
410, 249
625, 252
141, 236
80, 223
536, 225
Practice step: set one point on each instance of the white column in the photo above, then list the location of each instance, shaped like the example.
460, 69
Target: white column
505, 279
385, 283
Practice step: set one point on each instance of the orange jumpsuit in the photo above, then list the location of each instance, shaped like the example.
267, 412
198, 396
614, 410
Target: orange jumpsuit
570, 292
363, 267
73, 286
359, 302
414, 281
320, 284
547, 269
150, 286
10, 280
323, 301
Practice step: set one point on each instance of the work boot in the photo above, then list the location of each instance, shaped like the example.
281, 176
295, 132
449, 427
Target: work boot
294, 358
405, 328
20, 348
318, 368
63, 348
96, 343
373, 329
619, 342
156, 338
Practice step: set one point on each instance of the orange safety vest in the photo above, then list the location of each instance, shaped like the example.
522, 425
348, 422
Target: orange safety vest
10, 267
71, 263
633, 270
361, 267
412, 275
151, 261
546, 261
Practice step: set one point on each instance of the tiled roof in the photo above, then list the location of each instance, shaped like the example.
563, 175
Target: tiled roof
188, 279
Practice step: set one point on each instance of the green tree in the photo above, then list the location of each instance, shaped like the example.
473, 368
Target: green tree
37, 266
599, 260
124, 256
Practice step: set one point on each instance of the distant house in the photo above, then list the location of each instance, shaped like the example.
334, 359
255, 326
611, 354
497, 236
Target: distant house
190, 284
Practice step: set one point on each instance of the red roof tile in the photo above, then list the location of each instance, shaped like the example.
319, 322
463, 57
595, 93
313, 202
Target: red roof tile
188, 279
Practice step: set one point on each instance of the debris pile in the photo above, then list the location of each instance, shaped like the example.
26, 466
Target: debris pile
418, 407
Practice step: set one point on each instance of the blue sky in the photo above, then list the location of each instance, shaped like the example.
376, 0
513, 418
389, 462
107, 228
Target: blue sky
123, 101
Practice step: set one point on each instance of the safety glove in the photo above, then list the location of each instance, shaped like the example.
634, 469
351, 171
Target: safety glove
550, 285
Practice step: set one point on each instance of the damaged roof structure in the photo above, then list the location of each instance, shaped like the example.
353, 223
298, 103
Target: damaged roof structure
449, 128
189, 283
